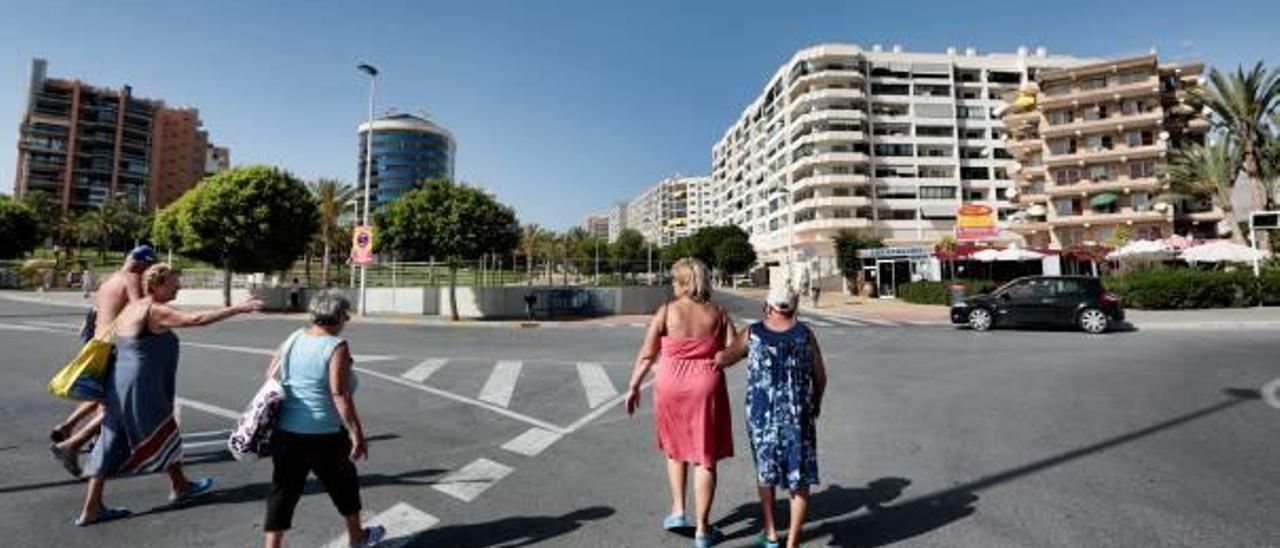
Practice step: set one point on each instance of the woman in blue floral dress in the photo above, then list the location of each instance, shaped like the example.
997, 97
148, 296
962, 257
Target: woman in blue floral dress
786, 377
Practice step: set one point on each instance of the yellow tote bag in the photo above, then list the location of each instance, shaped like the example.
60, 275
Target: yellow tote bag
82, 378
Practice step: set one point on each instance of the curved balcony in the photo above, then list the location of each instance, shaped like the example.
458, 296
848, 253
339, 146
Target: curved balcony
829, 114
1114, 123
1120, 154
1149, 86
829, 179
825, 77
1125, 186
1090, 218
827, 158
827, 94
828, 136
832, 224
832, 202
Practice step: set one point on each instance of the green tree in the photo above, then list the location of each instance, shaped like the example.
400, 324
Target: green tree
734, 256
47, 212
20, 228
628, 251
1206, 172
531, 238
247, 219
454, 221
331, 196
1243, 104
848, 243
946, 248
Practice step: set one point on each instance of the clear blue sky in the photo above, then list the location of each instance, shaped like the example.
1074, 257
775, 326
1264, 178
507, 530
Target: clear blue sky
560, 108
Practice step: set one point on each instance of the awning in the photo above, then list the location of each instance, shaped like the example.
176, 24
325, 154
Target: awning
1103, 200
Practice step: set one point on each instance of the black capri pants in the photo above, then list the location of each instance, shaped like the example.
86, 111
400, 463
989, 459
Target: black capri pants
294, 457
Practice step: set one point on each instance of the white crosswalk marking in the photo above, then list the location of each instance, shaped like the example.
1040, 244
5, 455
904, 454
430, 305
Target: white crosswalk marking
847, 321
402, 522
502, 383
473, 479
596, 382
818, 322
532, 441
420, 372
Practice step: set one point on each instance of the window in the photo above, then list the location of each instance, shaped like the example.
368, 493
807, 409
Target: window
1141, 202
1139, 138
975, 173
1099, 173
894, 150
1001, 154
934, 131
1058, 88
975, 133
1132, 77
1001, 174
1069, 176
937, 193
1062, 146
971, 113
1097, 82
1096, 112
1142, 169
1133, 106
1099, 142
1066, 207
890, 89
840, 191
843, 214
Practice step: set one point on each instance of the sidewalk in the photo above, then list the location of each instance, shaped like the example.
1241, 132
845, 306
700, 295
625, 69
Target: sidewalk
76, 300
834, 303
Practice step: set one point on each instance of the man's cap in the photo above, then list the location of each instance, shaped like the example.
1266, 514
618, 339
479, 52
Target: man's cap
143, 253
782, 299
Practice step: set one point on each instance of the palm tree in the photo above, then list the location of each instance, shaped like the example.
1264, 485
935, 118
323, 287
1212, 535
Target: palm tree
529, 245
1206, 172
331, 196
1244, 103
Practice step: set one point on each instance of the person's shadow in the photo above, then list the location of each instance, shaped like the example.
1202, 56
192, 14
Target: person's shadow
510, 532
883, 522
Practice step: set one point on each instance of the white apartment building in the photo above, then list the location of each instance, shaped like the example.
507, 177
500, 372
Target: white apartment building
596, 225
672, 209
617, 220
883, 141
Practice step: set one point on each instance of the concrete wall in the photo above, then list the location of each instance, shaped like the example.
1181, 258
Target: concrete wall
473, 302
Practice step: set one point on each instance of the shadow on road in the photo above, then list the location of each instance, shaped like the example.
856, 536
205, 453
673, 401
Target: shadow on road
882, 525
511, 532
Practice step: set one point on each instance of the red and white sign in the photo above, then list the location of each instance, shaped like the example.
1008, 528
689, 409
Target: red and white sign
362, 245
975, 222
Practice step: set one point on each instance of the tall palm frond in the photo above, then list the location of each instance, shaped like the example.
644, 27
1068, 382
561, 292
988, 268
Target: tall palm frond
331, 197
1206, 172
1243, 104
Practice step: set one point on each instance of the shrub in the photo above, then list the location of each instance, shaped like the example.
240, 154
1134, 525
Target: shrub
1191, 288
936, 292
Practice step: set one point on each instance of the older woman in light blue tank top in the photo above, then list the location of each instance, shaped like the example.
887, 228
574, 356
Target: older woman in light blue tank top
318, 429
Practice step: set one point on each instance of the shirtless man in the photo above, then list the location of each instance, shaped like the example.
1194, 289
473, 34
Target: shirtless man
124, 286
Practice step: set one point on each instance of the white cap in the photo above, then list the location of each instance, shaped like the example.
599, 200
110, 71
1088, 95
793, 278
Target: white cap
782, 299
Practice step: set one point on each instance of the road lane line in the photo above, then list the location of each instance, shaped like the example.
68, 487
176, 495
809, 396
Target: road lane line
532, 441
502, 383
59, 325
473, 479
593, 415
186, 445
14, 327
596, 383
359, 358
818, 322
205, 434
208, 408
420, 372
402, 521
462, 399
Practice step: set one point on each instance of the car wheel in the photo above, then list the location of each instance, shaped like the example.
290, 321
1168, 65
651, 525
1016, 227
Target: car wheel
980, 319
1093, 321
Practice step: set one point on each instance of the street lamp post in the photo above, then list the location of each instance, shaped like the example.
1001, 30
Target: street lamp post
368, 171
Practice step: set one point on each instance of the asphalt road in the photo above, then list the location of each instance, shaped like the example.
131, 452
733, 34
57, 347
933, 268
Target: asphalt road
483, 436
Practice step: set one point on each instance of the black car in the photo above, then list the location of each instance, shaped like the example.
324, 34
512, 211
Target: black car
1042, 300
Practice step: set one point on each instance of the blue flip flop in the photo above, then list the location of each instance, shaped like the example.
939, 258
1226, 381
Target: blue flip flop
766, 543
675, 521
194, 489
107, 514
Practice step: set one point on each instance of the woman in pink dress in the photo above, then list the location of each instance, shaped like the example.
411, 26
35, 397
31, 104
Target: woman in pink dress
690, 400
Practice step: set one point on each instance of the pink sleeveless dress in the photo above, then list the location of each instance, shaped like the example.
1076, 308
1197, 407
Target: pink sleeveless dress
691, 402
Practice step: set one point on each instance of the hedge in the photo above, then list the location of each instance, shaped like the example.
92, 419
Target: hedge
936, 292
1190, 288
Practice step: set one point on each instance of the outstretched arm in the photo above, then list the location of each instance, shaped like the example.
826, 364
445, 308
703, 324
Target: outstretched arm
166, 316
645, 357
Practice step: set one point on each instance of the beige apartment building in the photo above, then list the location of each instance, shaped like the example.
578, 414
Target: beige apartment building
1091, 141
85, 145
669, 210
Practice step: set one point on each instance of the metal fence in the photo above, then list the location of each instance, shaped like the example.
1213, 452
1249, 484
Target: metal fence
429, 274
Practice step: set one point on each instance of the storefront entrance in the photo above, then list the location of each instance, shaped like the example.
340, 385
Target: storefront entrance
890, 273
